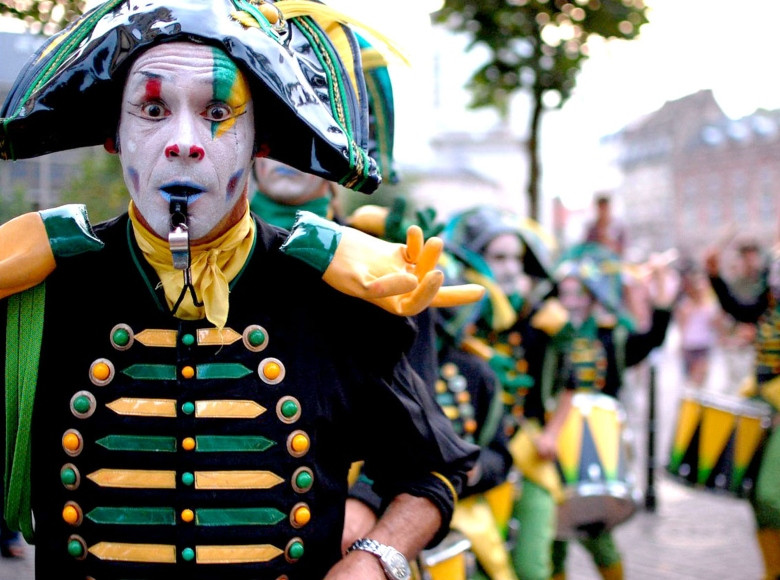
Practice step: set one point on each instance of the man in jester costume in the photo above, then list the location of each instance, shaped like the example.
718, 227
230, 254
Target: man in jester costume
513, 327
588, 282
187, 385
764, 312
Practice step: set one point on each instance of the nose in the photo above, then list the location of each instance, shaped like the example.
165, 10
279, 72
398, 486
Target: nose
197, 153
183, 143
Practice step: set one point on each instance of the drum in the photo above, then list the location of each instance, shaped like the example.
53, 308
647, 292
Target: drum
718, 441
594, 453
451, 559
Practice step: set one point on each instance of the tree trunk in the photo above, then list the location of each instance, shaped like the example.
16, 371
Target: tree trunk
534, 165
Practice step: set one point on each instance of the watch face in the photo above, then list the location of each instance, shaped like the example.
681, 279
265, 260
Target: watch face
397, 566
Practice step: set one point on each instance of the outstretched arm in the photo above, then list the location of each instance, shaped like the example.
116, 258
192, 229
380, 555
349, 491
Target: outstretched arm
400, 278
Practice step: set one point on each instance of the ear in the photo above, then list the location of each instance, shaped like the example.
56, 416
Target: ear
262, 150
110, 146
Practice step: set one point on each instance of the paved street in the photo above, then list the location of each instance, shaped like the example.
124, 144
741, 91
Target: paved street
692, 534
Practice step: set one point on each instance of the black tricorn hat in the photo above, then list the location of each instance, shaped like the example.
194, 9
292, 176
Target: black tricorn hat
311, 107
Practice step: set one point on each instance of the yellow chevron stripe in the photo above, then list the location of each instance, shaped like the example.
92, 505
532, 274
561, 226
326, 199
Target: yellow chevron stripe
143, 407
216, 337
228, 409
157, 337
236, 480
236, 554
123, 552
134, 478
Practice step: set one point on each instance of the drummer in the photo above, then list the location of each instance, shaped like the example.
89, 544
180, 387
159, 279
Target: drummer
764, 312
589, 287
514, 330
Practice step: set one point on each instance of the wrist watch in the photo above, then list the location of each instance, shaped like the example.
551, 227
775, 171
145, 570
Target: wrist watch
394, 562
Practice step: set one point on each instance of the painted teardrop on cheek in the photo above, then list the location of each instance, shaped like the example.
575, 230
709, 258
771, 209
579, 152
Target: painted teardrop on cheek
233, 182
132, 173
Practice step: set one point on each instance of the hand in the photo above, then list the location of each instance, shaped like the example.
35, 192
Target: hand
546, 444
359, 519
400, 278
712, 262
357, 565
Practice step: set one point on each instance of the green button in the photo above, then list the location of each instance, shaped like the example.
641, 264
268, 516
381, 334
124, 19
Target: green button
188, 408
289, 409
82, 404
68, 476
75, 549
121, 337
187, 478
304, 480
296, 550
188, 554
256, 337
188, 340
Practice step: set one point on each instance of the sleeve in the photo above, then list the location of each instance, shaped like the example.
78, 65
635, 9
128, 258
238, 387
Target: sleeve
741, 311
639, 345
409, 445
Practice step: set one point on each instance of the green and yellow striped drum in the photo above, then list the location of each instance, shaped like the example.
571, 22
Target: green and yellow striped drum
718, 441
594, 456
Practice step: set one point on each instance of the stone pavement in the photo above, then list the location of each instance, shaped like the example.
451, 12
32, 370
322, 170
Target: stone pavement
692, 534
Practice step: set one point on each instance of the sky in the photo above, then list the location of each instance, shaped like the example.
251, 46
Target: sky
688, 45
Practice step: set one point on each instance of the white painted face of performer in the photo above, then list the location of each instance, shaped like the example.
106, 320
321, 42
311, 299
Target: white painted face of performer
287, 185
187, 127
504, 257
576, 299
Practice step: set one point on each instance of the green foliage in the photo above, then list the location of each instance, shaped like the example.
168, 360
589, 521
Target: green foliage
536, 45
43, 16
14, 205
100, 186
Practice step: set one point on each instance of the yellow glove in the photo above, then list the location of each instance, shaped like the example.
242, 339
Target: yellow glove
400, 278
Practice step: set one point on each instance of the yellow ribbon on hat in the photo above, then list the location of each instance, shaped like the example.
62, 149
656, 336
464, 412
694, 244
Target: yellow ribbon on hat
213, 266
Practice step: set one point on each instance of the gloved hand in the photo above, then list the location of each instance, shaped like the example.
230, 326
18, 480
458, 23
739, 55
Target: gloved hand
400, 278
30, 243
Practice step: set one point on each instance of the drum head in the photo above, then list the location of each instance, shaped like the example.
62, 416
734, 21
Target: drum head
590, 512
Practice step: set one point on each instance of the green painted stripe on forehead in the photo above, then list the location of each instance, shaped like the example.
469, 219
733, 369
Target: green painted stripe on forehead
225, 75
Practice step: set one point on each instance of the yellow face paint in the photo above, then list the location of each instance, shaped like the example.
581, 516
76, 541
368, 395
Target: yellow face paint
231, 88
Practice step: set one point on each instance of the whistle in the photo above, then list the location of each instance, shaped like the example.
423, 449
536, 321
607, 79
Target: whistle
179, 238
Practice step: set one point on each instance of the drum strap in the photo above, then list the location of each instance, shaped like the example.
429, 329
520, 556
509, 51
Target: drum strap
493, 419
24, 332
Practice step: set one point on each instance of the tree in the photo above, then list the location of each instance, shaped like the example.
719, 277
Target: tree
99, 186
538, 46
43, 16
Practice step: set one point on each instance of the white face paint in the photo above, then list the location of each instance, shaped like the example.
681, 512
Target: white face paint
287, 185
504, 256
577, 301
187, 126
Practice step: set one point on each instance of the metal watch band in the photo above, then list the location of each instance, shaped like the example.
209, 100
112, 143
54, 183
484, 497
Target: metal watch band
368, 545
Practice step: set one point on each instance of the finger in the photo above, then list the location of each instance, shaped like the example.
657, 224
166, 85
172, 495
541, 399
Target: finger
429, 257
423, 295
414, 244
449, 296
393, 284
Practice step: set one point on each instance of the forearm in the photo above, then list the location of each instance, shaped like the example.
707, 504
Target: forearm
408, 524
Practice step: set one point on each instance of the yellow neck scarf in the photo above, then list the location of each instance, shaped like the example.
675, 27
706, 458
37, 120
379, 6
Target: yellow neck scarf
212, 265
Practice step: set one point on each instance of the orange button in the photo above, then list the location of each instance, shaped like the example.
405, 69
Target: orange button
101, 371
272, 370
71, 442
300, 443
188, 372
187, 515
70, 514
302, 515
188, 444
